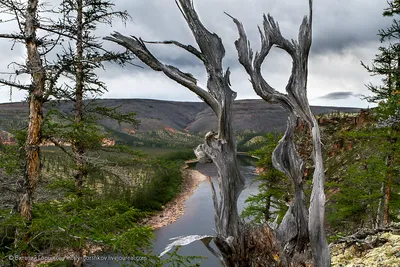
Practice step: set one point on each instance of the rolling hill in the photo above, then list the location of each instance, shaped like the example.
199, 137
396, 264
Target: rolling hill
171, 118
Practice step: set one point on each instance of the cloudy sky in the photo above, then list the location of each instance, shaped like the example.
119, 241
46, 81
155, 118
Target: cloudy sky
344, 33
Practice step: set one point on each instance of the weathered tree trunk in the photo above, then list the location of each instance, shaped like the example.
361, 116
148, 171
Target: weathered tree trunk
78, 147
389, 178
36, 93
386, 218
381, 207
239, 244
300, 229
33, 137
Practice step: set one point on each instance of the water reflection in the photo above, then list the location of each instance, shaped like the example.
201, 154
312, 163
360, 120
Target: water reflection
199, 214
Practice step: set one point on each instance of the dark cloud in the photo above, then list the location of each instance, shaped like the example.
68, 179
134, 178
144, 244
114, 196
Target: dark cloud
341, 24
339, 95
343, 32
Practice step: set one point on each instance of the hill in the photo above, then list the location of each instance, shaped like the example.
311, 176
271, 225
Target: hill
169, 121
255, 115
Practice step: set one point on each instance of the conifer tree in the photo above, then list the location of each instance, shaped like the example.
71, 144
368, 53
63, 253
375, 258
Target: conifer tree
275, 190
84, 55
42, 74
387, 63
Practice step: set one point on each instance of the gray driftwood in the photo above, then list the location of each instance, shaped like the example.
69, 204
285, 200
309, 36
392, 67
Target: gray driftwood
238, 244
300, 227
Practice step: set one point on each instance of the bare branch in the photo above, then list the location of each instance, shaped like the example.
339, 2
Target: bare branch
210, 44
253, 66
138, 47
243, 47
189, 48
273, 33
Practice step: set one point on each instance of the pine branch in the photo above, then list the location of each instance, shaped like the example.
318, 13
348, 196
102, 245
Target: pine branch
12, 36
16, 85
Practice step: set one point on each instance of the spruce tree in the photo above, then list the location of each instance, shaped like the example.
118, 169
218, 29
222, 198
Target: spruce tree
387, 63
83, 54
271, 202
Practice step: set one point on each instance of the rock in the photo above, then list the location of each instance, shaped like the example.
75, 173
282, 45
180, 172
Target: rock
387, 252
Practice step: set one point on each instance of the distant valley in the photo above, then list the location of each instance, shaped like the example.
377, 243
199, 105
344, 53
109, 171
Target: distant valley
168, 120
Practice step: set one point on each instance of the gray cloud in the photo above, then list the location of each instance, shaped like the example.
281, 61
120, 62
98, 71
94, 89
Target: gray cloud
339, 95
344, 32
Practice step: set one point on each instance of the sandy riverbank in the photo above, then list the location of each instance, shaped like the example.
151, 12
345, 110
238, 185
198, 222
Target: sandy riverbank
174, 209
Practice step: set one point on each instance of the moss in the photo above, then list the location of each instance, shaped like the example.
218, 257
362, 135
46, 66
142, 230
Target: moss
387, 254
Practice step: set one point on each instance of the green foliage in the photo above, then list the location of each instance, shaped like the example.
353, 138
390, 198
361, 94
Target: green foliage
357, 178
248, 141
386, 63
60, 127
161, 188
356, 196
11, 157
275, 188
106, 211
74, 223
114, 114
176, 260
100, 217
180, 155
146, 183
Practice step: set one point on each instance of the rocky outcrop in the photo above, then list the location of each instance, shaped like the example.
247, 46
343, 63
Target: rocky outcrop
369, 248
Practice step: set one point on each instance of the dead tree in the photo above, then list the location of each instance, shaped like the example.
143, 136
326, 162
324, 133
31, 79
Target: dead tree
239, 244
28, 13
300, 228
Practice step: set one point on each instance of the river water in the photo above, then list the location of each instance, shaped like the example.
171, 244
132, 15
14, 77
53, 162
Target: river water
199, 215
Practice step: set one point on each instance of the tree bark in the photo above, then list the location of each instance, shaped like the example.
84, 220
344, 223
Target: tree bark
78, 146
389, 181
386, 219
381, 207
36, 93
300, 229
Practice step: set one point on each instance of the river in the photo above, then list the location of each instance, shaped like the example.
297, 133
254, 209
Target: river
199, 215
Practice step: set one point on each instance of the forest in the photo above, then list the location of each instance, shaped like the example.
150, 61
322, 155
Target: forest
91, 181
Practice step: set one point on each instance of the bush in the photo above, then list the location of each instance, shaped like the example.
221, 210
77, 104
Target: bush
180, 155
74, 223
163, 186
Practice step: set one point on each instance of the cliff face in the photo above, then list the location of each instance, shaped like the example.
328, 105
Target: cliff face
345, 143
332, 126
